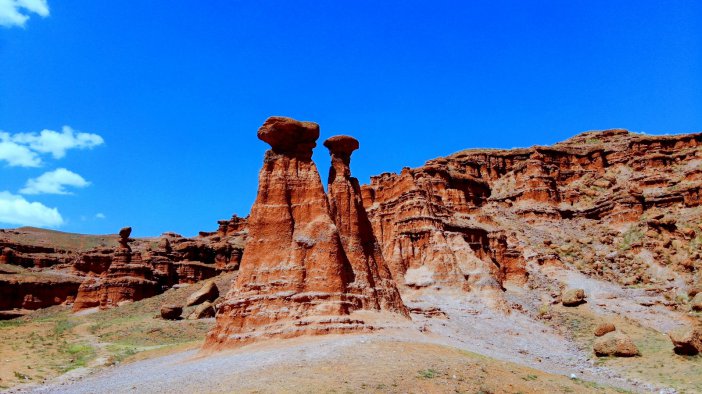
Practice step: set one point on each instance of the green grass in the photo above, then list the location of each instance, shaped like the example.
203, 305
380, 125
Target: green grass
21, 376
80, 354
631, 236
121, 352
597, 386
428, 374
62, 326
10, 323
530, 378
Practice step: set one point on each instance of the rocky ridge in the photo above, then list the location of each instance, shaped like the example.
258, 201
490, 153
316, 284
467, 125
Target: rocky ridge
41, 268
616, 205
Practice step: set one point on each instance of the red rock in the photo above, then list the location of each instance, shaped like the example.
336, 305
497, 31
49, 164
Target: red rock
687, 340
604, 328
35, 291
294, 275
371, 277
615, 344
289, 136
127, 279
203, 311
171, 312
208, 293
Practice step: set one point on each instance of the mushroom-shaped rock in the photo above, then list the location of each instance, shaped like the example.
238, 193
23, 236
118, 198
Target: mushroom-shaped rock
208, 292
290, 136
125, 232
124, 240
615, 344
340, 148
342, 145
573, 297
686, 341
604, 328
171, 312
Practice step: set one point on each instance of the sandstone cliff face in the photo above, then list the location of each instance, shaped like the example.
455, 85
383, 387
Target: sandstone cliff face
478, 217
295, 275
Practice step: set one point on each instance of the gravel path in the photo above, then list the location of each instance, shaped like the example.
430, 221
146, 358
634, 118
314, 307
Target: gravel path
187, 372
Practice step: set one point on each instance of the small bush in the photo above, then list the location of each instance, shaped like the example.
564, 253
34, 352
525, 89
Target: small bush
428, 374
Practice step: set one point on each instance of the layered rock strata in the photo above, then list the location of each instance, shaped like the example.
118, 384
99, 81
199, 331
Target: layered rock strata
295, 276
607, 202
127, 279
371, 276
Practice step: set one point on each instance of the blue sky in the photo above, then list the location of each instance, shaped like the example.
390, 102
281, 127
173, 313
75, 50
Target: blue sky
162, 102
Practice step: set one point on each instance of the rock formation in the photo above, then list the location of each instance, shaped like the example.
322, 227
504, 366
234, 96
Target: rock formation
127, 279
614, 205
371, 276
47, 267
294, 277
604, 202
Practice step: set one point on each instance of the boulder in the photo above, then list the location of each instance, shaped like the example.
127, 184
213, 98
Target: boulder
696, 302
203, 311
573, 297
341, 145
604, 328
289, 136
615, 344
208, 292
171, 312
686, 341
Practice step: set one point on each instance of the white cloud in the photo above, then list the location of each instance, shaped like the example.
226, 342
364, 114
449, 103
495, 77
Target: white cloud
54, 182
16, 210
15, 12
25, 149
17, 155
100, 215
57, 143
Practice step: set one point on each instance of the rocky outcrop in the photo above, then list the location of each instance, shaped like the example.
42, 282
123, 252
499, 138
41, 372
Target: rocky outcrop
478, 218
127, 279
36, 291
53, 264
294, 277
371, 277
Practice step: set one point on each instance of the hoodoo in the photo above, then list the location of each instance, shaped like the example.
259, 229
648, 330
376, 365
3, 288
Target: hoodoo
371, 277
294, 277
128, 278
